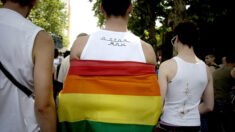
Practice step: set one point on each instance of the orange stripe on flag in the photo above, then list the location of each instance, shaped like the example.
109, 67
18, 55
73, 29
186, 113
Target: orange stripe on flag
143, 85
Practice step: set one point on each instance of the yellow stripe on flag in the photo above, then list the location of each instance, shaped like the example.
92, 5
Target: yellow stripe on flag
121, 109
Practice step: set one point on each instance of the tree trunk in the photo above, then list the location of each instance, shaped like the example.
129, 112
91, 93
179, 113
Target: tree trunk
152, 30
177, 15
152, 12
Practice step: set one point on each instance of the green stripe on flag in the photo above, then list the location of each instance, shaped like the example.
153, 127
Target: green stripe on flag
91, 126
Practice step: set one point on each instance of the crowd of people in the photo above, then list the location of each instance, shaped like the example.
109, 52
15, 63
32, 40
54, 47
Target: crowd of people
222, 117
108, 82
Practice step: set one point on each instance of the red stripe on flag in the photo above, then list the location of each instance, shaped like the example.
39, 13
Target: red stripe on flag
115, 68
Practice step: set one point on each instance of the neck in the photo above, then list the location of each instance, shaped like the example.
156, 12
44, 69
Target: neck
185, 51
16, 7
118, 24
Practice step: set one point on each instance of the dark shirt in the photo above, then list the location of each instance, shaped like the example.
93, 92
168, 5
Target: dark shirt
223, 83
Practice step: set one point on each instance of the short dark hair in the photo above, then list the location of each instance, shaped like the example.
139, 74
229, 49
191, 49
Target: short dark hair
211, 55
188, 32
115, 7
21, 2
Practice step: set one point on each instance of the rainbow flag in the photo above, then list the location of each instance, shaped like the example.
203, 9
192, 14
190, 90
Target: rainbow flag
109, 96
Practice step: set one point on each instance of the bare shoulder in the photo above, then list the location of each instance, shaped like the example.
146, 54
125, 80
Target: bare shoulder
169, 65
78, 46
43, 36
43, 43
149, 53
168, 69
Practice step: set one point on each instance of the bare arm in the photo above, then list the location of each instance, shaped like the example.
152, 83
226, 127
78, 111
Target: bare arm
162, 79
78, 47
149, 53
43, 53
208, 96
167, 72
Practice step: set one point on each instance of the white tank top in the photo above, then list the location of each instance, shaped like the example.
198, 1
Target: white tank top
17, 36
113, 46
184, 94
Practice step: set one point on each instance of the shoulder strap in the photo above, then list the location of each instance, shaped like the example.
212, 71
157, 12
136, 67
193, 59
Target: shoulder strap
14, 81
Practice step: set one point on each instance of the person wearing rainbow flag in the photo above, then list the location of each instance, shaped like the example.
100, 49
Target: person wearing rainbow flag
111, 85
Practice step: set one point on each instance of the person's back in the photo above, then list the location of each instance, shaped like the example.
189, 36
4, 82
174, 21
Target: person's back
18, 36
113, 46
17, 39
184, 93
184, 80
109, 84
223, 83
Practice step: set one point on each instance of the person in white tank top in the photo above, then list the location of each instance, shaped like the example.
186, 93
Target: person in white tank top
26, 52
114, 42
185, 80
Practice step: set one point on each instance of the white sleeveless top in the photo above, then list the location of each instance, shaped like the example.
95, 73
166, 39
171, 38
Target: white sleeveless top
17, 36
113, 46
184, 94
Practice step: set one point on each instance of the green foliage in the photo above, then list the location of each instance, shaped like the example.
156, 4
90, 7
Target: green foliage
209, 10
0, 4
52, 16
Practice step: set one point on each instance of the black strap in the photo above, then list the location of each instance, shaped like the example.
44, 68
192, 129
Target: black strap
14, 81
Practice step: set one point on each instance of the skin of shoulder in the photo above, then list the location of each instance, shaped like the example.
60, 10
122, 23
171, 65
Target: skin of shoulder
78, 47
42, 40
212, 69
149, 53
169, 68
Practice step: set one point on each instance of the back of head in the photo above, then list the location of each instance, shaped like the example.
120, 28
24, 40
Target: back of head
188, 33
211, 55
21, 2
116, 7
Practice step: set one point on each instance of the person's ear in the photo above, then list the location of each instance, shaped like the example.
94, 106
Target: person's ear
130, 9
177, 38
